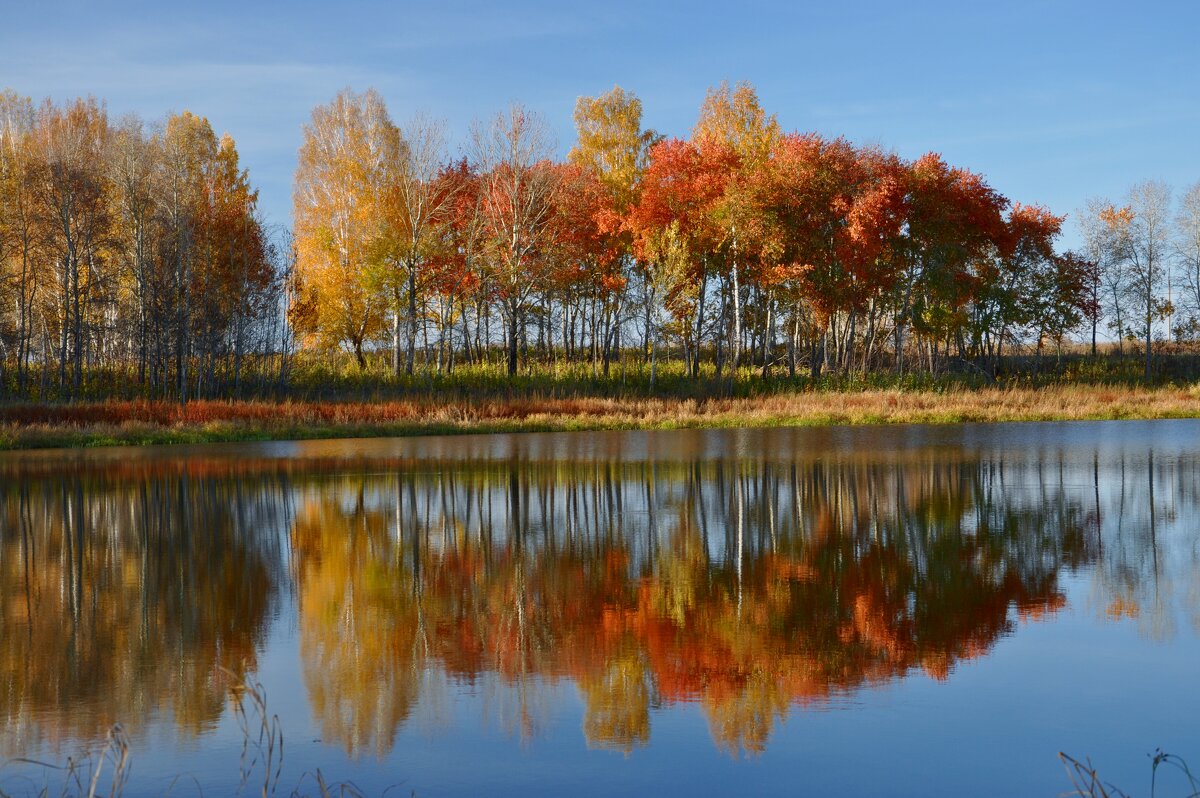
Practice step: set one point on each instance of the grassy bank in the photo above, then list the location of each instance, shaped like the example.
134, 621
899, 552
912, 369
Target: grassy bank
144, 422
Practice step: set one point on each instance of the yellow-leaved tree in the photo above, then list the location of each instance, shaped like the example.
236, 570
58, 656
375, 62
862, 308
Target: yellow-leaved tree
612, 143
343, 228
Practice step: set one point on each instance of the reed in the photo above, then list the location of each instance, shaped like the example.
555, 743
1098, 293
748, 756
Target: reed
261, 760
1087, 783
85, 776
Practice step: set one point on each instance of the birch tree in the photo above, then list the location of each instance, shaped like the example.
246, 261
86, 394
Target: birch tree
1188, 247
1147, 247
613, 145
350, 149
18, 236
518, 184
71, 191
422, 204
733, 120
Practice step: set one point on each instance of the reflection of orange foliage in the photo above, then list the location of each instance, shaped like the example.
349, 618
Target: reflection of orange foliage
1122, 607
1040, 608
812, 618
782, 568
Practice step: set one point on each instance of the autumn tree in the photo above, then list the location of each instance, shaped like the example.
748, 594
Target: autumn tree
135, 167
19, 280
954, 218
518, 187
139, 247
733, 129
1005, 304
420, 203
458, 260
675, 232
238, 280
1096, 250
613, 146
71, 192
1105, 226
796, 212
126, 247
1062, 298
588, 257
870, 247
734, 118
342, 234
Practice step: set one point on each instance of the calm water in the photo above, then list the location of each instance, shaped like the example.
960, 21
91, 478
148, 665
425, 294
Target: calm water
901, 610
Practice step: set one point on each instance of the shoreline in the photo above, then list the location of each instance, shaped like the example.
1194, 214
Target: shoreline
163, 423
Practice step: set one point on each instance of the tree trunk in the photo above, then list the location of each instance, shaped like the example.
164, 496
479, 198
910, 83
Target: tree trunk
358, 354
512, 340
697, 343
396, 336
735, 347
1149, 331
768, 339
412, 319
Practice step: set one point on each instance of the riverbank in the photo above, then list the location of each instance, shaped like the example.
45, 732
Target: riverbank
144, 423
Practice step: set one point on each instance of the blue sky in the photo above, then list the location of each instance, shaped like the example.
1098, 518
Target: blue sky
1054, 101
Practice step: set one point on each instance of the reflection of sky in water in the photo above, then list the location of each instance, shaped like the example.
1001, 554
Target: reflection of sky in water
911, 606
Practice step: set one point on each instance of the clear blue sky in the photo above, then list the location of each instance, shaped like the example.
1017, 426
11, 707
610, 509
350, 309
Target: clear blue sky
1054, 101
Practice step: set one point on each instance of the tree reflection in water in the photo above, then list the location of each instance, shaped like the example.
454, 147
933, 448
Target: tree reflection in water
130, 593
749, 585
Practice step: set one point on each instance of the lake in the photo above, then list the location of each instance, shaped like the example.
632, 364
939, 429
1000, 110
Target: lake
836, 611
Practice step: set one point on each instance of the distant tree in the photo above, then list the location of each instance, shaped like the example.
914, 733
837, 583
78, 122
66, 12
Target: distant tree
1143, 239
1013, 292
135, 167
459, 273
1060, 299
1188, 246
1097, 251
1105, 227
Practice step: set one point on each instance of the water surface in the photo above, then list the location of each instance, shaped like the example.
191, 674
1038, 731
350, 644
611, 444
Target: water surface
852, 611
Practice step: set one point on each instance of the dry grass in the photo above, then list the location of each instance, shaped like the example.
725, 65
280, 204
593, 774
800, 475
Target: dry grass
108, 423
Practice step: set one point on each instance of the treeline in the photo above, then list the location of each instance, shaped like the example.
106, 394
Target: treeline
741, 246
134, 255
129, 252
